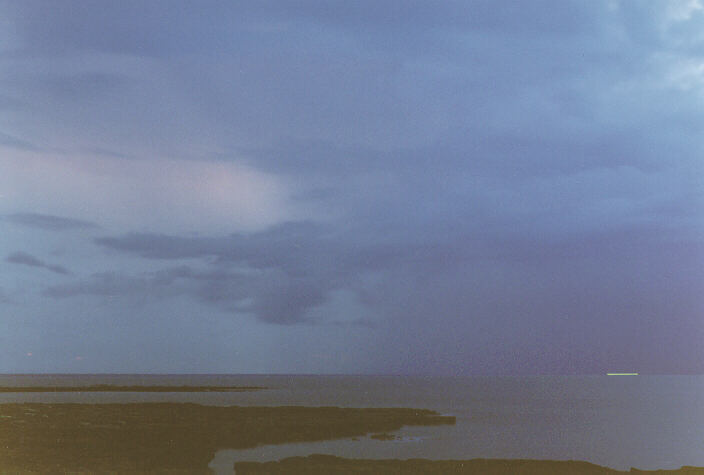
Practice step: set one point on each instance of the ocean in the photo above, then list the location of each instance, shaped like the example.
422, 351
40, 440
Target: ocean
646, 422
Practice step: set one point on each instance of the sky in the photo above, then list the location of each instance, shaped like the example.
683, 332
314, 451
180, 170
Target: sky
368, 187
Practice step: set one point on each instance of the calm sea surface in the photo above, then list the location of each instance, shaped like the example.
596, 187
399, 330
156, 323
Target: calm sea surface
646, 422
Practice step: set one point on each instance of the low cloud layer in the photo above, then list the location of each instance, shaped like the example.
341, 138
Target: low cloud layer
25, 259
49, 222
279, 275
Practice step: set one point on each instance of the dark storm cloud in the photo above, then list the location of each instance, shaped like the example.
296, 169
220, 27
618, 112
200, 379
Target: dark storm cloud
299, 248
291, 268
411, 69
271, 295
49, 222
287, 271
492, 176
31, 261
477, 87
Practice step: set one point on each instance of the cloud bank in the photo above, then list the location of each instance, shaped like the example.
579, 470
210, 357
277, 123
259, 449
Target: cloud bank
25, 259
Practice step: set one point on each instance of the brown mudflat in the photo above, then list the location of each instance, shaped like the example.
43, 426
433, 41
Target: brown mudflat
331, 465
131, 389
149, 437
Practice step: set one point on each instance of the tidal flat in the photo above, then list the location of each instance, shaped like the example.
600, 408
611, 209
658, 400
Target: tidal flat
107, 388
172, 437
330, 465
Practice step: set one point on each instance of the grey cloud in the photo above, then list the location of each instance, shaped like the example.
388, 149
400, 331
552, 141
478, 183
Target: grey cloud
14, 142
23, 258
290, 268
488, 170
5, 297
288, 244
87, 88
272, 296
285, 299
455, 106
112, 284
300, 249
159, 28
163, 246
377, 67
49, 222
281, 274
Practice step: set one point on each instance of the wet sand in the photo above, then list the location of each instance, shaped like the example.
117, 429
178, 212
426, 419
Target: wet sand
328, 464
151, 437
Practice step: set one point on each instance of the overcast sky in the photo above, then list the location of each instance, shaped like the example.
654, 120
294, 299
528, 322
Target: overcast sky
450, 187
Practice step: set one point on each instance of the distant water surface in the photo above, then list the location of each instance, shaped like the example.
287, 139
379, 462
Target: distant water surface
646, 422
